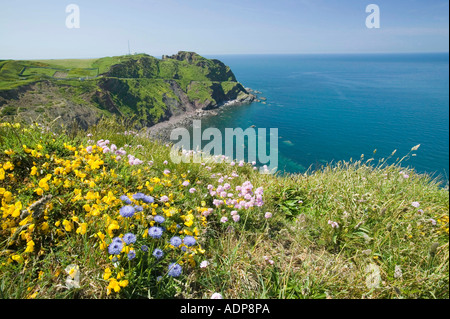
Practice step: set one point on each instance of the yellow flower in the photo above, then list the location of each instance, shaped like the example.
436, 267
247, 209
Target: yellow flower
34, 171
8, 166
39, 191
2, 174
17, 258
44, 226
30, 247
7, 196
67, 225
113, 285
107, 274
82, 229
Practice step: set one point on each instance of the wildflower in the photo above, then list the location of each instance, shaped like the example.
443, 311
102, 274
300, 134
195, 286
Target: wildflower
223, 219
216, 295
148, 199
127, 211
144, 248
166, 172
131, 255
433, 222
115, 247
333, 224
82, 229
268, 215
415, 204
159, 219
164, 199
155, 232
159, 278
175, 241
174, 270
236, 218
165, 162
138, 196
192, 190
189, 241
125, 199
158, 253
138, 208
129, 238
204, 264
185, 183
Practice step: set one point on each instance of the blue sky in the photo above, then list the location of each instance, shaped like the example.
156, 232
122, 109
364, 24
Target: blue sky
31, 29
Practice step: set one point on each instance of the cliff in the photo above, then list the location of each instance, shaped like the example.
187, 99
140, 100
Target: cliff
136, 87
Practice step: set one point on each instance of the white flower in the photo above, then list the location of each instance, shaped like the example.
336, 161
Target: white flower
204, 264
216, 295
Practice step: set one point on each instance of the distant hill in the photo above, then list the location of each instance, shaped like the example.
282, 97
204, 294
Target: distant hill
137, 87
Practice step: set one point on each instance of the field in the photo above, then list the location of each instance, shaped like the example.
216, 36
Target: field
107, 214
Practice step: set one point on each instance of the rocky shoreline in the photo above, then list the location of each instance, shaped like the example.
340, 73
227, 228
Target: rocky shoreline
161, 131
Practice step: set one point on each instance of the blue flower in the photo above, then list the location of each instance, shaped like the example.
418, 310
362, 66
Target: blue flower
175, 241
144, 248
129, 238
155, 232
139, 196
115, 247
148, 199
189, 241
131, 254
125, 199
159, 219
127, 211
117, 239
158, 253
174, 270
138, 208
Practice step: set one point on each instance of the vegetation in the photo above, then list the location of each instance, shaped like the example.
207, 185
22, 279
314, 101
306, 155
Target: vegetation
81, 212
139, 86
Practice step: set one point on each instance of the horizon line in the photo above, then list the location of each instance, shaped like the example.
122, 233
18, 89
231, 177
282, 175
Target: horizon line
221, 54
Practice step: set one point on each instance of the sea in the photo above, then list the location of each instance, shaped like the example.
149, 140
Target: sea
338, 107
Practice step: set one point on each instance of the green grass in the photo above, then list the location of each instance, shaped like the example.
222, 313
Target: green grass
385, 247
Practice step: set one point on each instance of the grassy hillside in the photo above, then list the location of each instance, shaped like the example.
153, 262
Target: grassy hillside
109, 215
141, 87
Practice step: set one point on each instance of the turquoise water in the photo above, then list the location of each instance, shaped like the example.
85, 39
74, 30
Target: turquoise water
336, 107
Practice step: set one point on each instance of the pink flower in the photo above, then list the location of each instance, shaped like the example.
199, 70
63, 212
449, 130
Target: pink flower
166, 172
89, 149
165, 162
415, 204
236, 218
333, 224
268, 215
192, 190
223, 219
185, 183
164, 199
216, 295
204, 264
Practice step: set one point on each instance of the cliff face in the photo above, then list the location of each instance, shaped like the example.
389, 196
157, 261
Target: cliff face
139, 87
